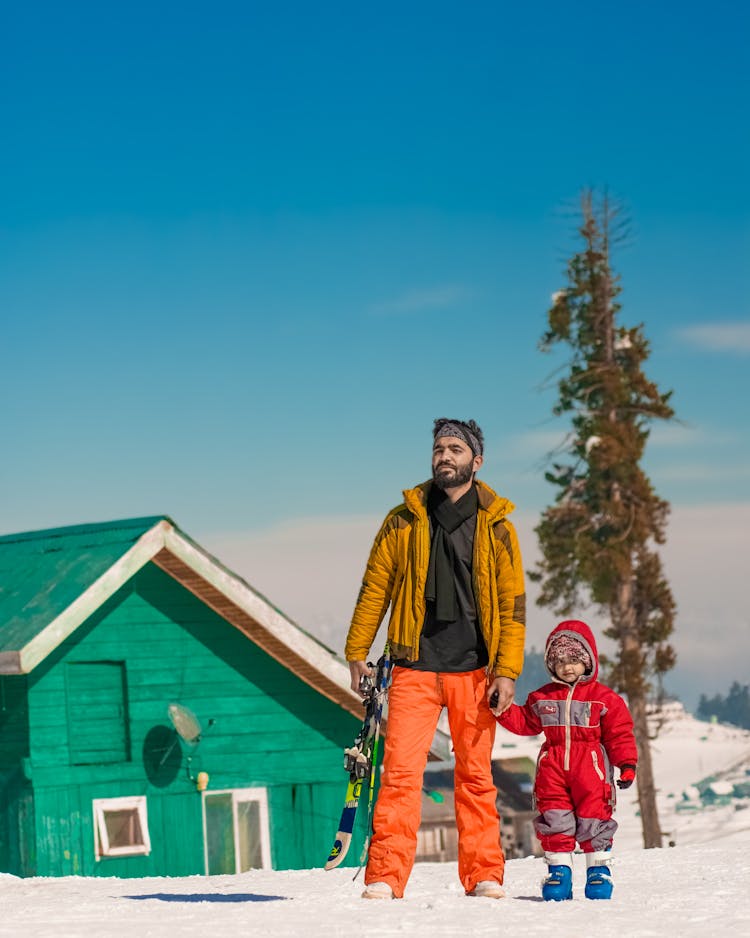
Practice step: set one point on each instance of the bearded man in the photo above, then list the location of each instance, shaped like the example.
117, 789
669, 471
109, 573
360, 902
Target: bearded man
447, 563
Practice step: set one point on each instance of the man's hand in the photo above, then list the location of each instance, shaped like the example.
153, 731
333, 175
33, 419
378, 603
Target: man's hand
358, 670
500, 694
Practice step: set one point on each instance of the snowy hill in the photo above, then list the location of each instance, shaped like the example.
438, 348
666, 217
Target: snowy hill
701, 770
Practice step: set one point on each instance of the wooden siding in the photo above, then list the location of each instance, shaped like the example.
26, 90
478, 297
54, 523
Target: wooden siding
228, 610
270, 730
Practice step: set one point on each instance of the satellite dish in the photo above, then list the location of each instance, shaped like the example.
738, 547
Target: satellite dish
185, 722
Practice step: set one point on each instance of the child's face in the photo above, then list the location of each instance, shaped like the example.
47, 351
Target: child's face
569, 670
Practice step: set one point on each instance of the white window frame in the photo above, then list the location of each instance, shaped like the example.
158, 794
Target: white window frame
101, 806
239, 795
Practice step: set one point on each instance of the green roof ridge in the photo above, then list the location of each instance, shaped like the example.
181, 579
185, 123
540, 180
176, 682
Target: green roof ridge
123, 524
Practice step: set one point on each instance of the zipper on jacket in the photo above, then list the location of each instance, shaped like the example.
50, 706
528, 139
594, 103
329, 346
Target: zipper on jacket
417, 545
568, 704
485, 628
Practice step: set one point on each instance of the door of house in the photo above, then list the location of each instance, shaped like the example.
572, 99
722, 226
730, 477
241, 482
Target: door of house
235, 830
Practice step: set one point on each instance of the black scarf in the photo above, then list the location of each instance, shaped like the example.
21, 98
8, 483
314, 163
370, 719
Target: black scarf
446, 518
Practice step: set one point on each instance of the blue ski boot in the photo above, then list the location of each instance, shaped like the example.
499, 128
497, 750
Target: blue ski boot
598, 876
558, 883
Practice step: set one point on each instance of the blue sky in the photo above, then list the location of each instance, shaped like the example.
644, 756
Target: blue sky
248, 253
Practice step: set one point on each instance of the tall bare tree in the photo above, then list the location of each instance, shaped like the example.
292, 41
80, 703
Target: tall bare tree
599, 538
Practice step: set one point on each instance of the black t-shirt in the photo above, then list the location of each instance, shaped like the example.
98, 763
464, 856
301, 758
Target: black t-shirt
454, 646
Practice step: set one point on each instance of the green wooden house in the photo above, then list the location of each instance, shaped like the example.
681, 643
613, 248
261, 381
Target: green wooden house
158, 716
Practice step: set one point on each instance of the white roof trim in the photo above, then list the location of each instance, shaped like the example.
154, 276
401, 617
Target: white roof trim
164, 536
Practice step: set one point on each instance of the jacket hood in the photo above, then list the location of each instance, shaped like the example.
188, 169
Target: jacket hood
498, 507
582, 633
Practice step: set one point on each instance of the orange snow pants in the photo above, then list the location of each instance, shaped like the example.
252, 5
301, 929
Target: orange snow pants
415, 701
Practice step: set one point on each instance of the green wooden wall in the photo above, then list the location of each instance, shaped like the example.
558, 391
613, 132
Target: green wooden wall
151, 644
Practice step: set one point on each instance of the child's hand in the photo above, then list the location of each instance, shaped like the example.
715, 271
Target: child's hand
627, 776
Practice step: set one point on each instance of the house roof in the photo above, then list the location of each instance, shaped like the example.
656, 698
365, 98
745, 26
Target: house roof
51, 581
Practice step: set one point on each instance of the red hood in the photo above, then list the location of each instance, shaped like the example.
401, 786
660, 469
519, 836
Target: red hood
580, 631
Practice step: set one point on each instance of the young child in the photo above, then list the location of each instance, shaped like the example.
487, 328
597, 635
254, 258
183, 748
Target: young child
588, 729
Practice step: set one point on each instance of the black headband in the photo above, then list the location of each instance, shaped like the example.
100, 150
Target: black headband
469, 432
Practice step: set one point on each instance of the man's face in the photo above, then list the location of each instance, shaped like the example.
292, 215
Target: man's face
453, 463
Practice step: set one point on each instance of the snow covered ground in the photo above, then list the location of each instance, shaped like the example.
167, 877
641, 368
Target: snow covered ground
678, 891
699, 887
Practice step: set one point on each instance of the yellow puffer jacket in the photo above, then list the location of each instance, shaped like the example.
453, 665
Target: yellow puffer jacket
396, 574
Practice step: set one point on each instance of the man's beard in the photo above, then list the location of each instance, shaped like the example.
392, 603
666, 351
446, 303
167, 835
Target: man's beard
447, 478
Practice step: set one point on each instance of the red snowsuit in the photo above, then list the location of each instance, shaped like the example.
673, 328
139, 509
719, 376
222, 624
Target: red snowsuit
588, 729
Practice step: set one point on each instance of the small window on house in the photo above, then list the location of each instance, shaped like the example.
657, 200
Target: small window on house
121, 827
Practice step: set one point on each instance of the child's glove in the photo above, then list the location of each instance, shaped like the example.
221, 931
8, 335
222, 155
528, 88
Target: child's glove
627, 776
